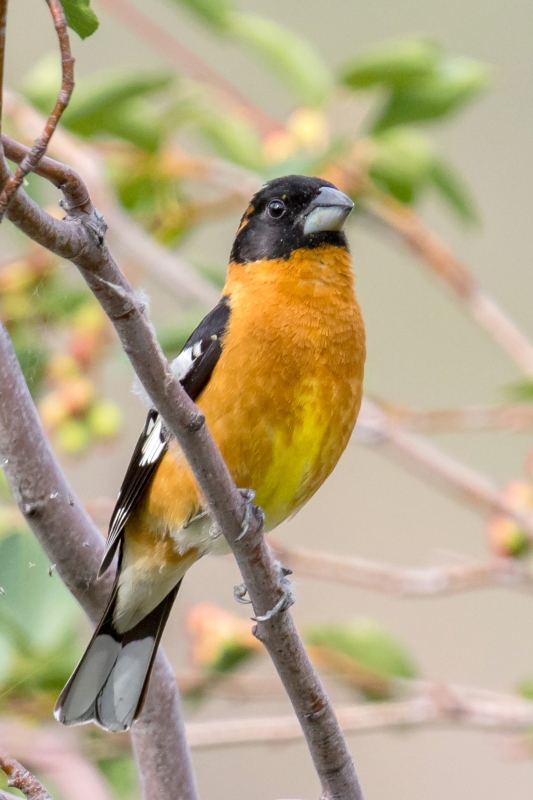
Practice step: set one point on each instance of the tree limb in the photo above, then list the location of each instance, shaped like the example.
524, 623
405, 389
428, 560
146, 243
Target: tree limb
21, 779
56, 516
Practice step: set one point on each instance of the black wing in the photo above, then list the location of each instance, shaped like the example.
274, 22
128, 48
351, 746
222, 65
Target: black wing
193, 368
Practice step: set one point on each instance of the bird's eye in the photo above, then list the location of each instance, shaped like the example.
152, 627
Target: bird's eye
276, 209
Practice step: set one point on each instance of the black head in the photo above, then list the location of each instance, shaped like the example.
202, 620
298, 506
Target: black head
289, 213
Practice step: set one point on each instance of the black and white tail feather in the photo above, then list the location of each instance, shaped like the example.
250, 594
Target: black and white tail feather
110, 683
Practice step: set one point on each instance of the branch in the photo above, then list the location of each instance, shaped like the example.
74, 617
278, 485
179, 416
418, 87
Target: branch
516, 418
170, 269
188, 62
434, 704
56, 516
55, 756
434, 253
406, 581
375, 428
31, 160
23, 780
3, 20
261, 573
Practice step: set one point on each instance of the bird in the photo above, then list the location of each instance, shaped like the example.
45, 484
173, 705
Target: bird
277, 370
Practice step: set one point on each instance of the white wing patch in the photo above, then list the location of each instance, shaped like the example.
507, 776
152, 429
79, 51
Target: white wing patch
153, 446
182, 364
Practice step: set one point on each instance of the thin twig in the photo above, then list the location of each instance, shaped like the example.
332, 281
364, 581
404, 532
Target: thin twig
188, 62
21, 779
3, 20
261, 573
31, 161
376, 429
441, 261
406, 581
170, 269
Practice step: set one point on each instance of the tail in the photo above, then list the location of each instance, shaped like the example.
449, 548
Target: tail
109, 684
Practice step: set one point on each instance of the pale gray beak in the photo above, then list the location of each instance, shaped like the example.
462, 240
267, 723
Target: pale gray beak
327, 212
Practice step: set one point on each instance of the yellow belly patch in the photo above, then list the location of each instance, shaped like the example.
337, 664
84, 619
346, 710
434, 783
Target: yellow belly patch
295, 460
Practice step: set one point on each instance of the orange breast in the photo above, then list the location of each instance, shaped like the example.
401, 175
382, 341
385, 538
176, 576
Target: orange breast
284, 396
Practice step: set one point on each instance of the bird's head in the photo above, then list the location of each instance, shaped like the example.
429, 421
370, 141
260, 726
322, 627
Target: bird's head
288, 214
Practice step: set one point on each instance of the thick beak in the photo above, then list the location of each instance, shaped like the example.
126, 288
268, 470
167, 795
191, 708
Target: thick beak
327, 212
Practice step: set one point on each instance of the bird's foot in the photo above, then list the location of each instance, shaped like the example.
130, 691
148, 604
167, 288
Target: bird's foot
248, 496
214, 531
287, 598
239, 593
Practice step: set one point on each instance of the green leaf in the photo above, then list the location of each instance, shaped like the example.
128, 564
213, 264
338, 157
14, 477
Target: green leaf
172, 339
521, 391
108, 104
80, 17
453, 189
525, 688
436, 95
393, 63
36, 610
288, 56
368, 645
5, 491
121, 773
214, 12
110, 91
403, 162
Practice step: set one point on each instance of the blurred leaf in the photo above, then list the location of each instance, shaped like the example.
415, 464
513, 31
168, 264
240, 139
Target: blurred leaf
7, 658
525, 688
403, 162
104, 419
393, 63
436, 95
59, 300
288, 56
233, 138
106, 104
370, 647
137, 123
5, 491
521, 391
80, 17
31, 355
122, 775
453, 189
36, 608
173, 338
73, 436
214, 12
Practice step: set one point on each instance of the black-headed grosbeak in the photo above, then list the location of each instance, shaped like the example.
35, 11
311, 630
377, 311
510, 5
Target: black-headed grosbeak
277, 369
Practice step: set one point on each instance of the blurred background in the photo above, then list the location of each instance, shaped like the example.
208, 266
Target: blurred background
423, 102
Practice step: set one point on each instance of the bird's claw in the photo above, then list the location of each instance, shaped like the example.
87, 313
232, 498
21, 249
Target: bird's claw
286, 600
239, 593
248, 497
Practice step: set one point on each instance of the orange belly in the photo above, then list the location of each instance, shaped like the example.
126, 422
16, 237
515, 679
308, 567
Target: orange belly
284, 397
